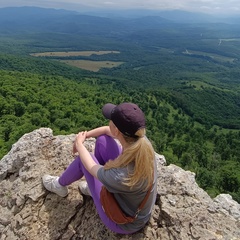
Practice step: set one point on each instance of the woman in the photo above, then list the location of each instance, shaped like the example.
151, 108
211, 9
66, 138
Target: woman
128, 171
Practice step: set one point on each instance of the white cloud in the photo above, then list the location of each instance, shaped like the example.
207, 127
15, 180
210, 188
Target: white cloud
109, 3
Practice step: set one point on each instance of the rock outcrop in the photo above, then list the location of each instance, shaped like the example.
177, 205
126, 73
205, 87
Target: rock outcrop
28, 212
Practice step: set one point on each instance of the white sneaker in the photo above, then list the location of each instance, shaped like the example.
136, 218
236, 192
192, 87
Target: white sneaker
51, 184
84, 189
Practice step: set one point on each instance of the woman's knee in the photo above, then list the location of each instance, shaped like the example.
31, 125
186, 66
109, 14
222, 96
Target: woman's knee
103, 142
102, 139
106, 148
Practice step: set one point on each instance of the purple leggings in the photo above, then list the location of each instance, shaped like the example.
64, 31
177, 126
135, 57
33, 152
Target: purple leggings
106, 148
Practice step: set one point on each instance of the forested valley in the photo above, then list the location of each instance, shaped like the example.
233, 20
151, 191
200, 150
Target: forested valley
185, 77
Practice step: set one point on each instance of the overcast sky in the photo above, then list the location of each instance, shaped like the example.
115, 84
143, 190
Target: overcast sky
207, 6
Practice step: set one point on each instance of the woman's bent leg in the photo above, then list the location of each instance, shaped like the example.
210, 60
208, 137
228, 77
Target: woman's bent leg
106, 148
72, 173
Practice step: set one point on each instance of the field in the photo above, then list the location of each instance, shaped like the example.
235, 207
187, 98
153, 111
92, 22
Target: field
215, 57
89, 65
93, 66
72, 53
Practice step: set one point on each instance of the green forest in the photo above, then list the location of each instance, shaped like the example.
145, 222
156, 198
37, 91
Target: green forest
191, 101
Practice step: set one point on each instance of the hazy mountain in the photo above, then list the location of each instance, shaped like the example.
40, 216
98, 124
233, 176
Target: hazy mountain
177, 16
34, 14
17, 20
174, 16
13, 13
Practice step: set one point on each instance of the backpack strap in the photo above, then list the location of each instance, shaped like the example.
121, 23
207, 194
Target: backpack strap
143, 202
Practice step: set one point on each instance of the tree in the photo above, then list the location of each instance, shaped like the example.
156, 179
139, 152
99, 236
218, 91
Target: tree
229, 177
19, 109
179, 147
205, 178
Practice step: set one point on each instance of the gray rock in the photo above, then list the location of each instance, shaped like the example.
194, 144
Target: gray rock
228, 206
27, 211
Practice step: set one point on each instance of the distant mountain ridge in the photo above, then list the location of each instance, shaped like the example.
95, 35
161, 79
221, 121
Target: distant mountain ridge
176, 16
18, 19
13, 20
11, 13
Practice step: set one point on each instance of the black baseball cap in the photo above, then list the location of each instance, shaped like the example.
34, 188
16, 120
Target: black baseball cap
127, 117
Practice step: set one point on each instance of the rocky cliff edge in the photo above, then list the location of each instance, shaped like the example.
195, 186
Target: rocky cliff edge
28, 212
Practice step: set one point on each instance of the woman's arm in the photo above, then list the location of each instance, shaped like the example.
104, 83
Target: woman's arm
99, 131
85, 156
94, 133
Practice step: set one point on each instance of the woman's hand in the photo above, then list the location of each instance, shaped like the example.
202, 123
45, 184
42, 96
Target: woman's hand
84, 155
80, 138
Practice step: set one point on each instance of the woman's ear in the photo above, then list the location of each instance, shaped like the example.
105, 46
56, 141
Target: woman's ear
117, 132
114, 130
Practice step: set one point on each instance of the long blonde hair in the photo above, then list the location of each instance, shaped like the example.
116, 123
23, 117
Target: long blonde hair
141, 152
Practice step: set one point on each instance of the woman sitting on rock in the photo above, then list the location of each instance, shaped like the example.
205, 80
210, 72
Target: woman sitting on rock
128, 171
